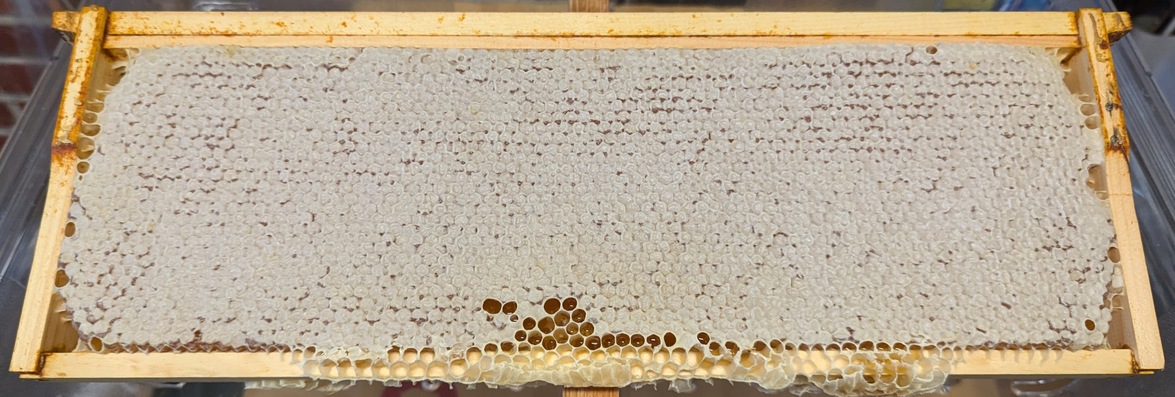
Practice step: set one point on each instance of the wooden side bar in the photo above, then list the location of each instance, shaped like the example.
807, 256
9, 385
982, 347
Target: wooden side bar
32, 336
1141, 330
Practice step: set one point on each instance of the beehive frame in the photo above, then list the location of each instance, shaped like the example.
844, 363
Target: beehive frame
45, 343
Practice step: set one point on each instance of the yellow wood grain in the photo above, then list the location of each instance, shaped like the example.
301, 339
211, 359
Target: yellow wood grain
1141, 332
31, 336
65, 21
117, 42
592, 24
589, 5
591, 392
240, 366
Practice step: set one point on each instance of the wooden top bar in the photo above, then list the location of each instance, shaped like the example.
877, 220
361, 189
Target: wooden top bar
591, 24
583, 30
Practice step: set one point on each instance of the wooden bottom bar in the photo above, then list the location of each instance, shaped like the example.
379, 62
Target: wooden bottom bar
591, 392
83, 366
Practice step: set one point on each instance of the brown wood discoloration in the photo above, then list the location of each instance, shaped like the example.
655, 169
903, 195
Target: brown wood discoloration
32, 338
1117, 25
1095, 39
88, 45
62, 152
1139, 326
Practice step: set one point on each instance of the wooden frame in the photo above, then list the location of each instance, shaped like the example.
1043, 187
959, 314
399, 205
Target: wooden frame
44, 348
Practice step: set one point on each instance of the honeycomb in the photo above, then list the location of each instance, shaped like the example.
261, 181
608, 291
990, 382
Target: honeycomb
842, 217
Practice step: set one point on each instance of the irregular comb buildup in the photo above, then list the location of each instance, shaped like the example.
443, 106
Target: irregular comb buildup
839, 216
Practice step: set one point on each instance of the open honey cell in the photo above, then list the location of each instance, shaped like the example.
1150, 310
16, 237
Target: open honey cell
715, 349
865, 201
546, 325
562, 319
491, 306
670, 339
551, 306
